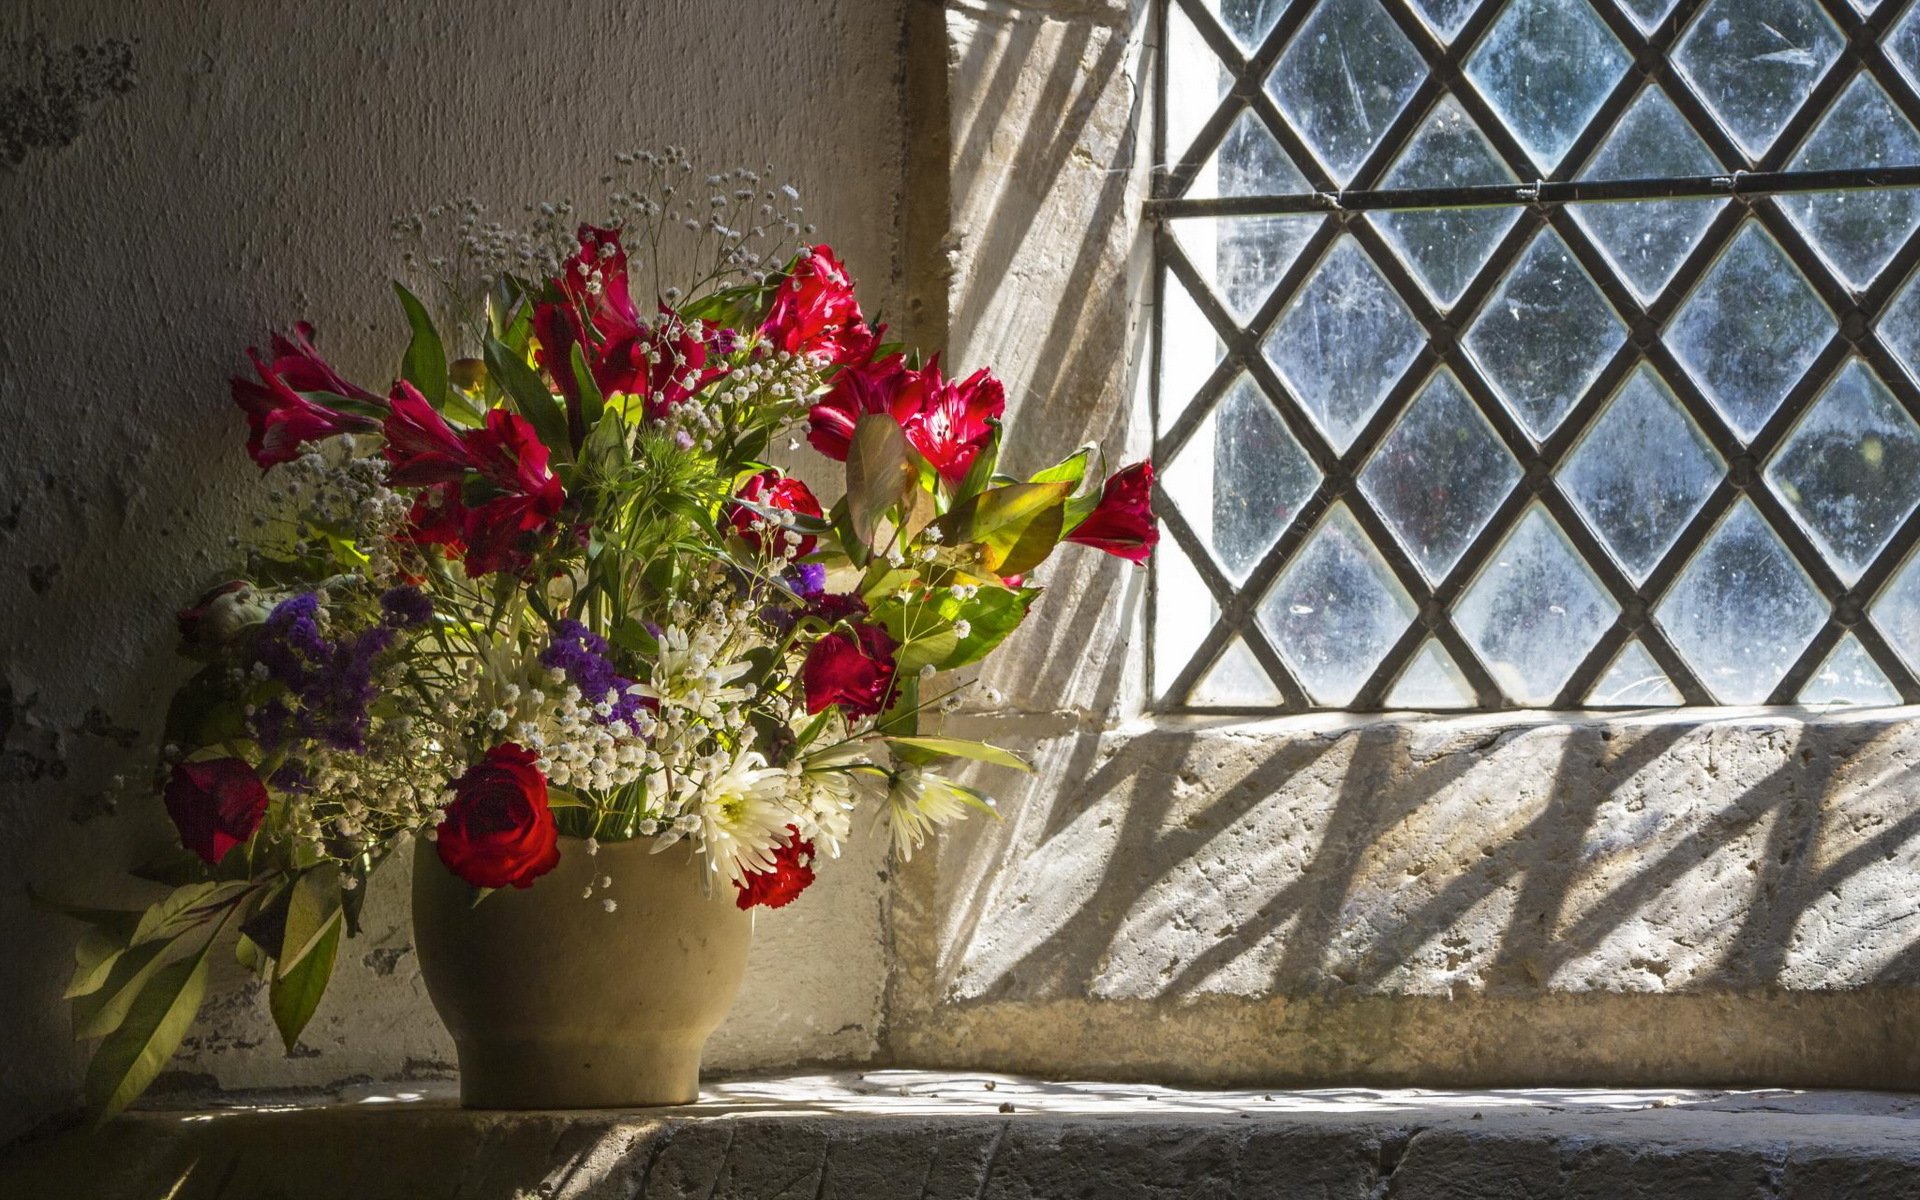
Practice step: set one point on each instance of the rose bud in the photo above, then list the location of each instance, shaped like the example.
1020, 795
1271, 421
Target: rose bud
499, 830
771, 489
213, 625
851, 670
1122, 522
215, 804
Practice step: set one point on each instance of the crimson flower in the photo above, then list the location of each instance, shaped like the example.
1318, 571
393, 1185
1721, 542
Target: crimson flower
1122, 522
279, 417
771, 489
851, 670
499, 830
215, 804
947, 422
792, 874
421, 447
814, 312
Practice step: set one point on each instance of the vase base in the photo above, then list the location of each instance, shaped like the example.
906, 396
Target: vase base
549, 1073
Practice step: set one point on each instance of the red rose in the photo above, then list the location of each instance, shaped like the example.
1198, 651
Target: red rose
851, 670
947, 422
499, 831
792, 874
279, 418
771, 489
1122, 522
215, 804
814, 312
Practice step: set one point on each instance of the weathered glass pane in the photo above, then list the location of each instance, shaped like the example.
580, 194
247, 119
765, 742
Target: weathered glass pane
1635, 680
1336, 610
1431, 681
1899, 327
1243, 257
1248, 162
1343, 342
1545, 67
1850, 471
1647, 240
1743, 610
1903, 44
1897, 612
1866, 7
1248, 20
1445, 17
1439, 475
1190, 349
1647, 14
1849, 676
1184, 614
1545, 335
1750, 330
1534, 611
1446, 247
1754, 62
1236, 680
1343, 79
1857, 232
1240, 479
1203, 82
1640, 473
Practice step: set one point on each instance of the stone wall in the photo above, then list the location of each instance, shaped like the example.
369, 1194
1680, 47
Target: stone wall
190, 176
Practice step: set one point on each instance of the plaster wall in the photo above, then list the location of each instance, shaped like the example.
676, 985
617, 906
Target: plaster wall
199, 174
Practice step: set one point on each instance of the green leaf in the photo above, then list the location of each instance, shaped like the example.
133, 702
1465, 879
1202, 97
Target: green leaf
293, 996
100, 1012
530, 398
313, 907
181, 908
425, 364
992, 614
267, 927
134, 1053
1016, 526
592, 403
961, 748
204, 711
93, 959
562, 798
980, 472
604, 456
880, 473
1071, 469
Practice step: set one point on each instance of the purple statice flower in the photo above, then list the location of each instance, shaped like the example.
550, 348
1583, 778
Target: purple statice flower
406, 606
329, 681
808, 580
587, 661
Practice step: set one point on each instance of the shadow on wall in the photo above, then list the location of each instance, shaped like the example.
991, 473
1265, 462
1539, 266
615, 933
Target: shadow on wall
1440, 901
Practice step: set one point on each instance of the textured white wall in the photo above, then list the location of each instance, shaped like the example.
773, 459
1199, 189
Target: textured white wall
245, 181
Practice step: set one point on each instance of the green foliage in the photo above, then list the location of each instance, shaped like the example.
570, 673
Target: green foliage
294, 994
530, 398
1016, 526
155, 1021
425, 363
881, 474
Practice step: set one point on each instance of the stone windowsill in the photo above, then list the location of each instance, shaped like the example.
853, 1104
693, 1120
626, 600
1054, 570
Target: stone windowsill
908, 1133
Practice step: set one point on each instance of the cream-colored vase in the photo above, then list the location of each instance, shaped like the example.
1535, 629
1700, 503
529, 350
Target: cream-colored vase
553, 1002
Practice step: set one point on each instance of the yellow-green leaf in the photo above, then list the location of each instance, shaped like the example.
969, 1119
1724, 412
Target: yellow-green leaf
312, 908
93, 959
134, 1053
1016, 526
293, 997
100, 1011
961, 748
880, 473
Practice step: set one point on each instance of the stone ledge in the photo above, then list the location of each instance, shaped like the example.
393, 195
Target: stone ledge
911, 1133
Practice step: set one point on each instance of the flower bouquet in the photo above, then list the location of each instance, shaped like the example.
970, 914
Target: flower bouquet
554, 595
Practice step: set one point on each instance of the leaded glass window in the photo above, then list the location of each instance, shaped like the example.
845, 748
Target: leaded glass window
1536, 353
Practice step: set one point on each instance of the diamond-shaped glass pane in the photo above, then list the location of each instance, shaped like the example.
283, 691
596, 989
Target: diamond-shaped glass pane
1743, 610
1204, 82
1248, 162
1545, 67
1236, 680
1640, 473
1866, 7
1431, 681
1647, 240
1343, 342
1445, 17
1336, 610
1899, 326
1439, 475
1635, 681
1545, 335
1190, 349
1904, 45
1754, 62
1240, 479
1344, 77
1184, 613
1647, 14
1534, 610
1750, 330
1248, 20
1446, 247
1242, 257
1850, 471
1897, 613
1857, 232
1849, 676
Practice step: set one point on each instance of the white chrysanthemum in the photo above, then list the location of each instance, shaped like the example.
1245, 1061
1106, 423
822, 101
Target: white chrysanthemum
743, 816
917, 802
